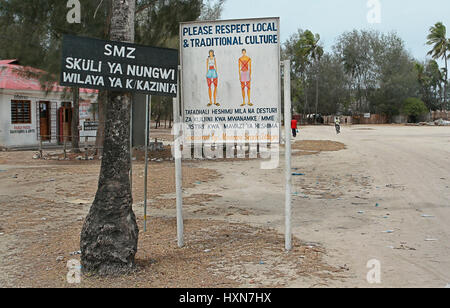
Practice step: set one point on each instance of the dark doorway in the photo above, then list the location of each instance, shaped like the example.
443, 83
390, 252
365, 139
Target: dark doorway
44, 121
65, 122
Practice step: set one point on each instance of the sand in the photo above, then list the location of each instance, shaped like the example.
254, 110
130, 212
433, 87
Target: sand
354, 187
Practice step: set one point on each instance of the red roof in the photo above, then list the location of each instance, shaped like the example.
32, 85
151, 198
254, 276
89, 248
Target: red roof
2, 62
15, 77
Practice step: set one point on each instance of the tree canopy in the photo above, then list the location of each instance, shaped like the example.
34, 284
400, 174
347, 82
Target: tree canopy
366, 71
414, 107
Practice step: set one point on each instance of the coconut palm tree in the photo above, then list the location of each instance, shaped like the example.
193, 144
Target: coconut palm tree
312, 49
440, 48
109, 237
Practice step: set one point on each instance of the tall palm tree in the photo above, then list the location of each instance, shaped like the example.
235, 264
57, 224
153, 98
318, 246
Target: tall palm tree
317, 56
312, 49
440, 47
109, 237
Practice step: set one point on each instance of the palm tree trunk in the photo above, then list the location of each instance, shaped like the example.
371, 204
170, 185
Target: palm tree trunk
110, 233
317, 94
100, 137
305, 107
445, 83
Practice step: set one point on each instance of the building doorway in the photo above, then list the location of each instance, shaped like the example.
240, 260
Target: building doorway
65, 122
44, 121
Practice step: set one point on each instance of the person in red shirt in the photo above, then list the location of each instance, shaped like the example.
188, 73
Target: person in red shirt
294, 127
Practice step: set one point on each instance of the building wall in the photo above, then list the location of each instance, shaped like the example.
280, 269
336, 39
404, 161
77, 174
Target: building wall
436, 115
377, 119
23, 135
17, 134
2, 123
400, 119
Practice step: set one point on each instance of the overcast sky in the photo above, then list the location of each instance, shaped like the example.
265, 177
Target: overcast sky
410, 19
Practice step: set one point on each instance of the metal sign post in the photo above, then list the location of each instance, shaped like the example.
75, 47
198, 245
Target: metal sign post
178, 170
249, 99
288, 149
148, 106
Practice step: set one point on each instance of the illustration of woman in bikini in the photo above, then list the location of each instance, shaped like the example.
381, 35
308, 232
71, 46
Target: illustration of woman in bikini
212, 77
245, 75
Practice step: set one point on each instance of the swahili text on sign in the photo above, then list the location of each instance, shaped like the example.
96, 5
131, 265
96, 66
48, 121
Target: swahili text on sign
97, 64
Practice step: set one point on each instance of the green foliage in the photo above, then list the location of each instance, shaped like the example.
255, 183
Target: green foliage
305, 52
32, 30
440, 47
414, 107
439, 42
334, 97
367, 72
382, 73
431, 80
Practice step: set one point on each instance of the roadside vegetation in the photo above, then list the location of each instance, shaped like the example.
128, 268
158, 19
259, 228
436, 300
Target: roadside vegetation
367, 72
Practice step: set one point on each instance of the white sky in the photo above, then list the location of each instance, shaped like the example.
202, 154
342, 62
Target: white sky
410, 19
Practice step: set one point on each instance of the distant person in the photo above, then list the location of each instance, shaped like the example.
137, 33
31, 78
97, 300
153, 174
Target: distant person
337, 125
294, 126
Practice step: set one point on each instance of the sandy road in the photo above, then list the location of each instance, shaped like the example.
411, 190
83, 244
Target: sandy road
387, 179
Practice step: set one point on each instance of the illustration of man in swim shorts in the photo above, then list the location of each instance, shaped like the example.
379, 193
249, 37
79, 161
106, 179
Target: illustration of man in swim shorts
212, 77
245, 75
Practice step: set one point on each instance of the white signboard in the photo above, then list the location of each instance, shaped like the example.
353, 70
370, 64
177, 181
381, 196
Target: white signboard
231, 79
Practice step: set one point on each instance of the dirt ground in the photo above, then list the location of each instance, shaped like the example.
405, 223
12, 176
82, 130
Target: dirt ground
384, 197
373, 192
43, 204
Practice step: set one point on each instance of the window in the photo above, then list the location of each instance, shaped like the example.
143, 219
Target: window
20, 112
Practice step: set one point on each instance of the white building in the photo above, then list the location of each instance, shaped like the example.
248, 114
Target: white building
28, 113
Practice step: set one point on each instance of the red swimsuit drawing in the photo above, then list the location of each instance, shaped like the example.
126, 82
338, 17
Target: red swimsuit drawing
245, 73
245, 76
212, 78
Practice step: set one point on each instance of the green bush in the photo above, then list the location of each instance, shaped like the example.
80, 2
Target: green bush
414, 107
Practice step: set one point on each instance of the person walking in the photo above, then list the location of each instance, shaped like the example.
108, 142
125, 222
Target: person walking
294, 125
337, 125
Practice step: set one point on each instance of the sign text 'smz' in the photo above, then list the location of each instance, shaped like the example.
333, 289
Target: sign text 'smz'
97, 64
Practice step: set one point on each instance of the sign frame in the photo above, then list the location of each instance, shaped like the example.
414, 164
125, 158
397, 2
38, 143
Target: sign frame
87, 63
180, 118
237, 20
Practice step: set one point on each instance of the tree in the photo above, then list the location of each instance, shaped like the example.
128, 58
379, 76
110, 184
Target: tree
431, 80
299, 61
414, 107
75, 139
440, 47
334, 84
382, 73
312, 48
303, 50
32, 32
212, 10
395, 74
110, 233
357, 50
